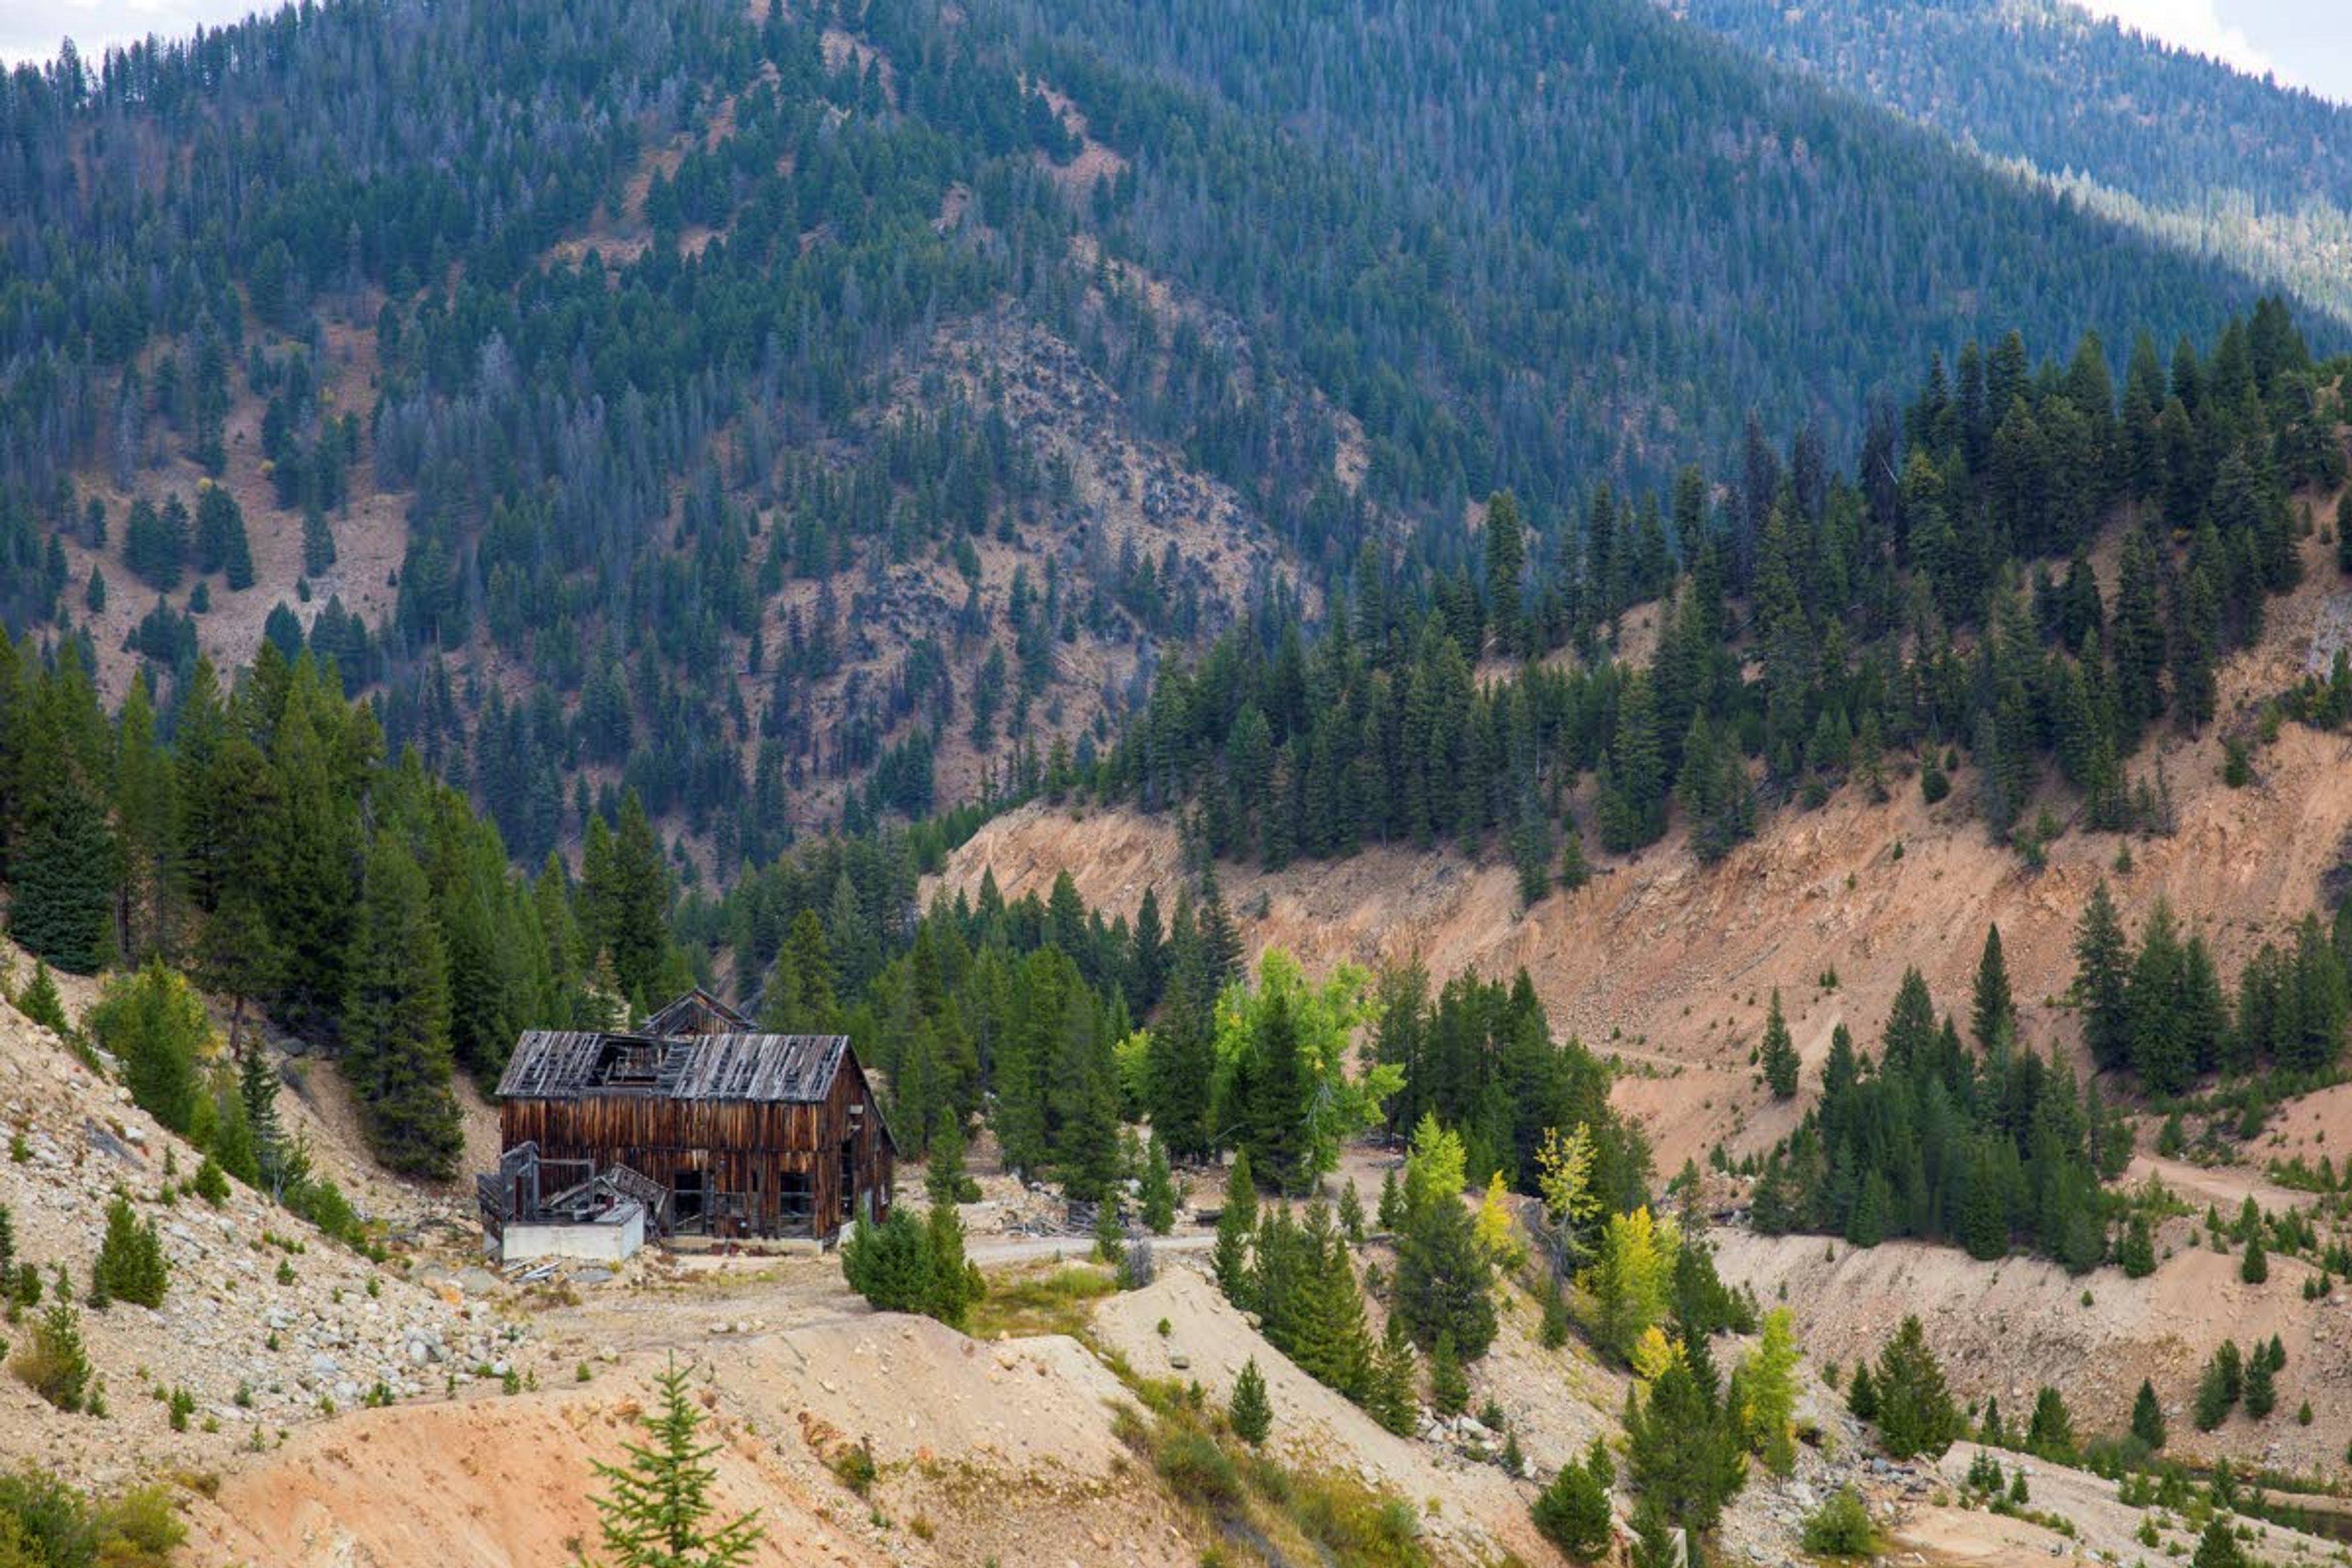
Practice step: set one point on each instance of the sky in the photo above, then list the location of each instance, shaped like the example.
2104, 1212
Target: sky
2302, 43
2305, 43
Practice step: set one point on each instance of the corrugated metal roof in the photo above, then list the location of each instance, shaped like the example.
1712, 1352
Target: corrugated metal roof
553, 1063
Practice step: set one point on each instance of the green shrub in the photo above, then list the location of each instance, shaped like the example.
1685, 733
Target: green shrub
1199, 1472
1250, 1412
46, 1523
52, 1362
130, 1265
855, 1468
211, 1183
1841, 1528
41, 1003
154, 1024
1573, 1511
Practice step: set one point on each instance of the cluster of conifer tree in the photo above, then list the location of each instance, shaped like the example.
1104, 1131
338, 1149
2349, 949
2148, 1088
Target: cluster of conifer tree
1991, 1147
260, 839
1986, 1147
2161, 1009
1909, 609
1480, 1057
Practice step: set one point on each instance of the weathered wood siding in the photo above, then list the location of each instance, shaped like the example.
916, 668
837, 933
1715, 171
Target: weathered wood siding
740, 1149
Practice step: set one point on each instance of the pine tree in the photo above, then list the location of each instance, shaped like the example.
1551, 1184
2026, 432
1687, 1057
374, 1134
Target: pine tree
1681, 1454
396, 1048
1236, 1227
799, 997
1351, 1214
1444, 1278
1110, 1234
1251, 1413
1393, 1401
2218, 1546
2137, 639
2261, 1388
1389, 1214
2215, 1394
2147, 1418
1449, 1388
1159, 1190
657, 1509
1277, 1093
1653, 1539
1916, 1413
40, 1000
317, 542
1992, 1013
1552, 1328
2160, 1051
1862, 1393
1781, 1063
2138, 1253
1084, 1105
1506, 560
1182, 1063
954, 1282
1326, 1336
1631, 1279
61, 852
1148, 956
154, 1024
2051, 1434
1573, 1512
317, 849
130, 1265
1866, 1222
889, 1264
150, 894
54, 1363
2254, 1264
627, 900
1767, 1393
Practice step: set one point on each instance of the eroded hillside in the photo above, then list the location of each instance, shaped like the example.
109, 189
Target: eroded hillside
1670, 964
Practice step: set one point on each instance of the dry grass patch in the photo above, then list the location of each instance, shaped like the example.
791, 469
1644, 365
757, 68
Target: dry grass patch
1050, 1301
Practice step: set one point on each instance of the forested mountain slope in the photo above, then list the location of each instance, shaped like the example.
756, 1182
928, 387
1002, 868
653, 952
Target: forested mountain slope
801, 417
2177, 146
1535, 245
1669, 961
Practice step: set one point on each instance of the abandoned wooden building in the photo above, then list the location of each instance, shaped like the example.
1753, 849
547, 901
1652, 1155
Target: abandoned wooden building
747, 1134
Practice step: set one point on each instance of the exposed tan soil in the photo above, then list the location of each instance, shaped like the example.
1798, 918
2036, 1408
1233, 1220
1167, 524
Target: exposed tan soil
1474, 1506
488, 1481
371, 533
2004, 1329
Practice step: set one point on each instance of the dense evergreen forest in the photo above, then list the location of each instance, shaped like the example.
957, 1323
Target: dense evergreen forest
1939, 602
675, 479
1533, 245
2230, 165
